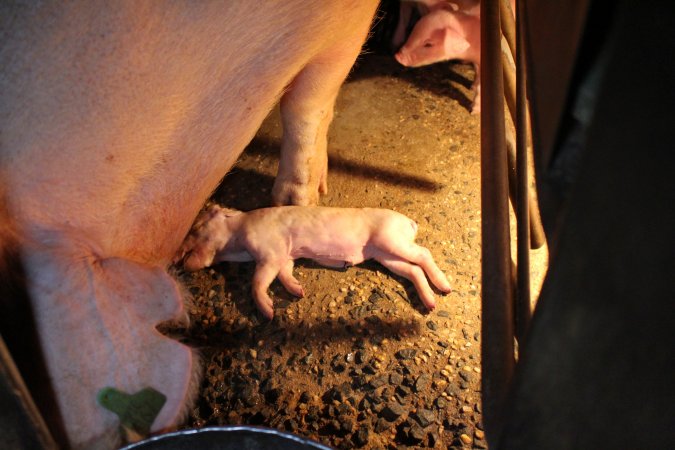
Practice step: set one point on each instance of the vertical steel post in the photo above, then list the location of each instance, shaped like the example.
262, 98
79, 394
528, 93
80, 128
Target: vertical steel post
497, 298
523, 309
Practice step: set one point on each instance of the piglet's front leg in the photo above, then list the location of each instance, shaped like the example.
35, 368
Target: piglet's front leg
266, 271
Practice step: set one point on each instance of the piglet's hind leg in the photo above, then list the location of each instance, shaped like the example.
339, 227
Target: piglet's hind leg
291, 283
411, 272
420, 256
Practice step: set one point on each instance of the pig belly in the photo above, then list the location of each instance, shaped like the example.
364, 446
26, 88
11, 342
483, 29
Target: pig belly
151, 135
117, 121
329, 257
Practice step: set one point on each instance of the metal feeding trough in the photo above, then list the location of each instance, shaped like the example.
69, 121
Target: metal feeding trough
227, 438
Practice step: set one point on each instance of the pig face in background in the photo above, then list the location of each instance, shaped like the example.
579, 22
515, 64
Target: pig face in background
442, 35
433, 39
118, 121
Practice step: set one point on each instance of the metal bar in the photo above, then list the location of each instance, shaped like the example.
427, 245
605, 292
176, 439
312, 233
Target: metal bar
537, 237
508, 25
497, 299
523, 307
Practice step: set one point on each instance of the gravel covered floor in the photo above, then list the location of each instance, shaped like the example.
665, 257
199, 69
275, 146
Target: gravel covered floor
358, 362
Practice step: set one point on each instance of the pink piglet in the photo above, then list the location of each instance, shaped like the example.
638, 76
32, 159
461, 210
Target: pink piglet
333, 237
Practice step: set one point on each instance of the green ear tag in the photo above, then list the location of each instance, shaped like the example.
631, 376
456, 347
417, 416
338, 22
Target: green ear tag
137, 412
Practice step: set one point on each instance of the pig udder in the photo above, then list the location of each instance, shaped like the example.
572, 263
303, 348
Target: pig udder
98, 331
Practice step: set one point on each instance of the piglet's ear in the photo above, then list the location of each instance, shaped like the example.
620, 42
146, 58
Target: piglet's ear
454, 42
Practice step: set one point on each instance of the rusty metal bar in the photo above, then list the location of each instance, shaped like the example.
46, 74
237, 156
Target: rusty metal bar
523, 306
508, 25
497, 299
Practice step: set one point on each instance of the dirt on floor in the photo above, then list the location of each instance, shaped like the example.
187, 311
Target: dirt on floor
358, 362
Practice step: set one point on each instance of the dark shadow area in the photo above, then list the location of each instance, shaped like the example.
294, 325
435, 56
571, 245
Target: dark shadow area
369, 172
247, 189
277, 331
329, 330
20, 333
440, 78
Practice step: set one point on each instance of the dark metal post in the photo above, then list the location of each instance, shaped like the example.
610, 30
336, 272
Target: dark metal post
523, 308
497, 299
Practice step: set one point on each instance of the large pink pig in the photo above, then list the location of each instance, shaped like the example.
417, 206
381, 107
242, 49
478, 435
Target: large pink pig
117, 121
333, 237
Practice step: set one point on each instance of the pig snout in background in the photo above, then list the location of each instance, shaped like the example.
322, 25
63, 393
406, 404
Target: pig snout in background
446, 30
333, 237
117, 123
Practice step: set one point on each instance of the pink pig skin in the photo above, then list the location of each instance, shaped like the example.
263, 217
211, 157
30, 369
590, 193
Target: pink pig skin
448, 29
423, 7
117, 121
333, 237
442, 35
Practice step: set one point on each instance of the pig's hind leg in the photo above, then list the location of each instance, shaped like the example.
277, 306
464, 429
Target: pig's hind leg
397, 238
421, 256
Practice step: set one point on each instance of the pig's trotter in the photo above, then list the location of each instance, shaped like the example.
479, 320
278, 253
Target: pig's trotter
291, 284
265, 273
289, 192
411, 272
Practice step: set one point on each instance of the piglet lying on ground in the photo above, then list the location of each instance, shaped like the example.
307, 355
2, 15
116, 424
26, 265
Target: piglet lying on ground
333, 237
